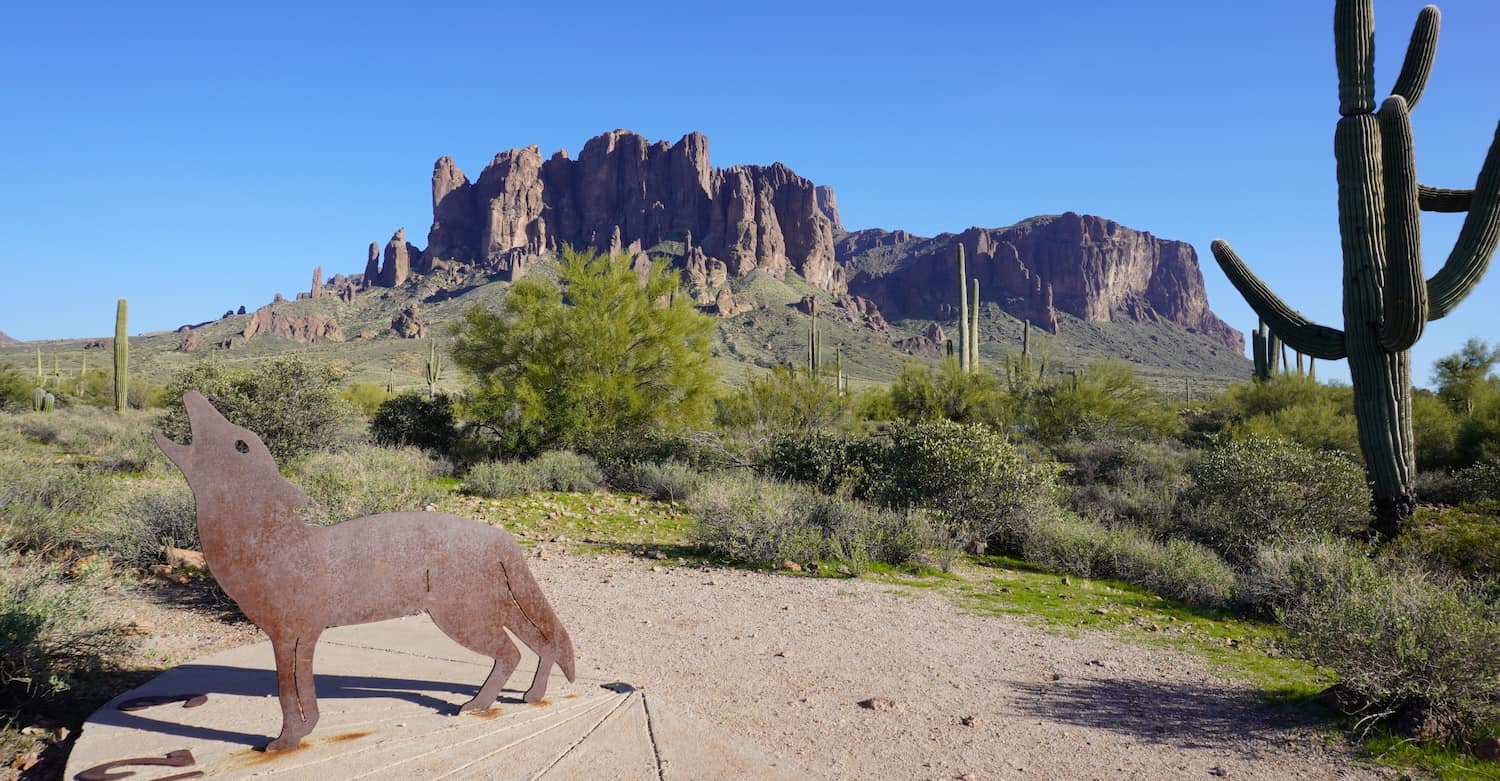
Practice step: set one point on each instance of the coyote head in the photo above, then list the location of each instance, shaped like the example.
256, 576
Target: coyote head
225, 461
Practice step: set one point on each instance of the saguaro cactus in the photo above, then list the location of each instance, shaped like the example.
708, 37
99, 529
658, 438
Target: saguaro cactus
434, 370
122, 357
1387, 302
963, 313
974, 331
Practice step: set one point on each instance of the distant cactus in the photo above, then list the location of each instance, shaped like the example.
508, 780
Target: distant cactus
40, 379
434, 369
974, 331
49, 402
963, 313
1387, 300
812, 338
38, 396
122, 357
83, 371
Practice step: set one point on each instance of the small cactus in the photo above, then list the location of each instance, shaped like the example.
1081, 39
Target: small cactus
434, 369
49, 402
38, 396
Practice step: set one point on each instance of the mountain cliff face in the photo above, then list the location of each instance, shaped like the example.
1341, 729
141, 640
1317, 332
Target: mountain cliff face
1089, 267
624, 193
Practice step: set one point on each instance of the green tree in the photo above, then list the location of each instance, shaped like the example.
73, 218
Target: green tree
1464, 379
603, 351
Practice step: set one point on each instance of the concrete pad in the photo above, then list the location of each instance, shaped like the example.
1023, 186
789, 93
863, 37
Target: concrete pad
388, 694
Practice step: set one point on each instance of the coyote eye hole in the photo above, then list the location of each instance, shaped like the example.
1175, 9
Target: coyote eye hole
239, 444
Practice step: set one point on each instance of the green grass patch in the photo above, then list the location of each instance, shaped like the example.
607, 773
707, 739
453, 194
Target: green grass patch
583, 521
1446, 763
1235, 647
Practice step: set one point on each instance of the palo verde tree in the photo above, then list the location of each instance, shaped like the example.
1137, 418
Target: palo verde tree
1387, 300
601, 352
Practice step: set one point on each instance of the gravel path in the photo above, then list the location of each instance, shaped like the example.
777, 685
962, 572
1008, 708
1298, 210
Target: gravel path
784, 661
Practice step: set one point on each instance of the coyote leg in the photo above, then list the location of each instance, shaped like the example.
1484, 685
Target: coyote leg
538, 688
506, 659
294, 685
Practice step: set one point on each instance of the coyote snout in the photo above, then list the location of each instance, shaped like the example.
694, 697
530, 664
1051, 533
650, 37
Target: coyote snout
294, 580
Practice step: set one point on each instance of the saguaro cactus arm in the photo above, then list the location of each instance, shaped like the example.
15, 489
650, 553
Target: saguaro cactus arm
1445, 201
1405, 290
1419, 55
1302, 334
1476, 241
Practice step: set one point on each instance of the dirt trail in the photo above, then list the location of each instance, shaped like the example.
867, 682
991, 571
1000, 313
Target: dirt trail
785, 661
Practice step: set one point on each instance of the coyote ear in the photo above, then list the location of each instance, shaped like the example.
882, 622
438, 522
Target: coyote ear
178, 453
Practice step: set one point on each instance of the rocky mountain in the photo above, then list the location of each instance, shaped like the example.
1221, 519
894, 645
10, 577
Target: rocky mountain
624, 193
7, 340
1089, 267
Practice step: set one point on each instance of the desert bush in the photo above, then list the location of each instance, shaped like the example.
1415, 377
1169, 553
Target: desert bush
1457, 540
1177, 569
53, 634
1294, 408
151, 515
557, 470
668, 481
702, 450
1251, 492
15, 390
292, 404
976, 481
413, 419
1117, 478
827, 460
363, 480
366, 396
765, 522
783, 398
45, 507
921, 394
103, 439
1107, 396
1409, 649
1282, 576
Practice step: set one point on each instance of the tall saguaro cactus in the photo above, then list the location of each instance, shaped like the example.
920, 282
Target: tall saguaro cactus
122, 357
1387, 301
963, 313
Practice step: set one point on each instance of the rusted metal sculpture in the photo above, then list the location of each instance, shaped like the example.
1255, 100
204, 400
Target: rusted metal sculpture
294, 580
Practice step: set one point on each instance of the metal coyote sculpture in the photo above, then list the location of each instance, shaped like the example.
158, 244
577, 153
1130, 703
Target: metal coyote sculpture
294, 580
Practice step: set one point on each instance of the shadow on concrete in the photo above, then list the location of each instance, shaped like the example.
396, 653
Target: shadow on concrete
1182, 715
238, 681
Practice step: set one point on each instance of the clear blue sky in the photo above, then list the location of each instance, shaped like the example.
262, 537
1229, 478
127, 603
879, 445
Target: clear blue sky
194, 157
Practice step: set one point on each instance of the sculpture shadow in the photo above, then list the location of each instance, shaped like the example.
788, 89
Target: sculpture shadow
258, 683
1176, 714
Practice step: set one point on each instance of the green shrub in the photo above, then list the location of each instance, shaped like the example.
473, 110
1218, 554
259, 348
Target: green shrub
1283, 576
1458, 540
758, 521
1106, 397
365, 396
1471, 485
15, 390
54, 634
1252, 492
151, 515
781, 399
705, 451
291, 403
1407, 648
669, 481
829, 461
920, 394
364, 480
47, 507
413, 419
1121, 479
1177, 569
977, 482
1294, 408
557, 470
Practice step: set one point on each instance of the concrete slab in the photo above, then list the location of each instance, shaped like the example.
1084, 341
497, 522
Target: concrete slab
388, 694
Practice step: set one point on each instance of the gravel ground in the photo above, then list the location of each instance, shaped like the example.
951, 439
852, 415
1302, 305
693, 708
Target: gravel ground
786, 661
